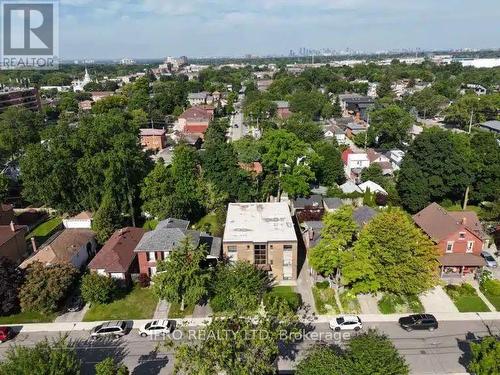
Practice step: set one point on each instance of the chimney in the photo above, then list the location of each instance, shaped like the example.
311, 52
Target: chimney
12, 227
464, 221
33, 244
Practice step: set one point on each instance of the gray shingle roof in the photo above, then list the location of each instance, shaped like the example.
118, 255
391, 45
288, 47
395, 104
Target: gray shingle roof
333, 203
363, 215
166, 239
214, 244
173, 223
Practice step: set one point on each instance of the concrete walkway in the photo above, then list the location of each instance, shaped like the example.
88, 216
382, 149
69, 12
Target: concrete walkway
475, 284
304, 287
368, 304
436, 300
202, 311
161, 311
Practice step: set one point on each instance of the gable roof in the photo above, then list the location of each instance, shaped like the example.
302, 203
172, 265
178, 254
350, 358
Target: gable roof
173, 223
117, 254
148, 132
196, 113
349, 187
61, 247
166, 239
332, 203
471, 221
314, 200
84, 215
438, 223
374, 187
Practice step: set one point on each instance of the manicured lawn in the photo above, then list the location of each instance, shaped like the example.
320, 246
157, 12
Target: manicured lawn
45, 229
458, 207
495, 300
27, 317
465, 298
392, 304
208, 223
174, 312
150, 224
139, 303
324, 299
350, 303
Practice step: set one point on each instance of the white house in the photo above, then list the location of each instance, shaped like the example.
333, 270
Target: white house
337, 132
354, 163
81, 221
349, 187
372, 186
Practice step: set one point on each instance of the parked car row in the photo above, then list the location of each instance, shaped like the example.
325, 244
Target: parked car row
117, 329
409, 323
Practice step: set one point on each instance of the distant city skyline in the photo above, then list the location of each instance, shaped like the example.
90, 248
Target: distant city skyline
112, 29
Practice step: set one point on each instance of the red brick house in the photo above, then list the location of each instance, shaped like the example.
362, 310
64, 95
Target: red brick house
13, 243
195, 120
117, 258
458, 236
157, 244
153, 139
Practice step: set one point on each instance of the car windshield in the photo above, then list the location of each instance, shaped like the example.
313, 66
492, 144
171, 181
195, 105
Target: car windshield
340, 320
123, 325
489, 258
147, 326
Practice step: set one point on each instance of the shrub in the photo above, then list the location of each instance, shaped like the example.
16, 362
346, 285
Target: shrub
381, 199
323, 284
97, 288
144, 280
447, 203
11, 279
457, 291
46, 286
389, 303
290, 298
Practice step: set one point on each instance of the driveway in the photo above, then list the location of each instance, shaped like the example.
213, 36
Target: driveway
72, 316
368, 304
436, 300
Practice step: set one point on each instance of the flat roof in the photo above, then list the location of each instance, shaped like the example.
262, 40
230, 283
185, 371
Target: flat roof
259, 222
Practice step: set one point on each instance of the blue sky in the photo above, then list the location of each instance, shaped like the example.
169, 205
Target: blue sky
157, 28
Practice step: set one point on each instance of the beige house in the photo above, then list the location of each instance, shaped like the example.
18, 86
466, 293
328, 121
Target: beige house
262, 234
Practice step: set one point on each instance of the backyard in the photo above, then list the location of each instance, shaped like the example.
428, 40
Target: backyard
139, 303
45, 230
465, 298
209, 224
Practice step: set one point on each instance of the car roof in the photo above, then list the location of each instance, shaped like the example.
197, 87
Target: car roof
349, 318
159, 322
115, 323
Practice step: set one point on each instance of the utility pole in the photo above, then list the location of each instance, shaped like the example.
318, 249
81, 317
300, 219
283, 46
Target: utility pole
466, 198
471, 118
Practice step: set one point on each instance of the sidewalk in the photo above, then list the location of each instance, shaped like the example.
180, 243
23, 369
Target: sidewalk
194, 322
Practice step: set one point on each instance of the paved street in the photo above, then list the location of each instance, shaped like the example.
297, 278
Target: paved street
438, 352
237, 127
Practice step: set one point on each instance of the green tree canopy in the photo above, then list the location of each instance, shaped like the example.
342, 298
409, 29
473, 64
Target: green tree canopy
389, 127
485, 356
45, 358
391, 254
181, 278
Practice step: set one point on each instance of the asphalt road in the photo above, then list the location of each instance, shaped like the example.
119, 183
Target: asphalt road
440, 352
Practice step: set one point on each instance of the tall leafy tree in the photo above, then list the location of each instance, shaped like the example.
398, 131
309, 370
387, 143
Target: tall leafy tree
19, 127
107, 219
305, 129
181, 278
330, 168
485, 167
485, 356
237, 345
389, 127
289, 159
436, 166
337, 236
374, 173
238, 287
108, 366
11, 279
54, 358
391, 254
158, 191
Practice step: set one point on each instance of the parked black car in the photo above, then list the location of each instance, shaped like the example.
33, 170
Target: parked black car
419, 321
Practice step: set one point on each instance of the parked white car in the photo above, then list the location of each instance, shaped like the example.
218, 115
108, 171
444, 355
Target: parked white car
346, 322
157, 327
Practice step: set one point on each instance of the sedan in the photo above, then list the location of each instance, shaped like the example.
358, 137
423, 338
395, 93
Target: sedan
6, 333
346, 322
419, 321
488, 258
157, 327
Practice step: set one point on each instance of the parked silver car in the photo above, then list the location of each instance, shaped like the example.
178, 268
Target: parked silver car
114, 329
488, 258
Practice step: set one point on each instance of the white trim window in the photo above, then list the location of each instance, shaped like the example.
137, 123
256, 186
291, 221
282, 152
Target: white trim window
470, 247
449, 246
151, 256
232, 253
166, 254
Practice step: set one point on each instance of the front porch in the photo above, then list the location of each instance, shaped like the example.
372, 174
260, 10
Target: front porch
460, 267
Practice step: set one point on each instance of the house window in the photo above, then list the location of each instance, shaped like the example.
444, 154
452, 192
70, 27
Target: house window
470, 246
232, 253
165, 254
287, 255
449, 247
151, 271
151, 256
461, 235
260, 254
